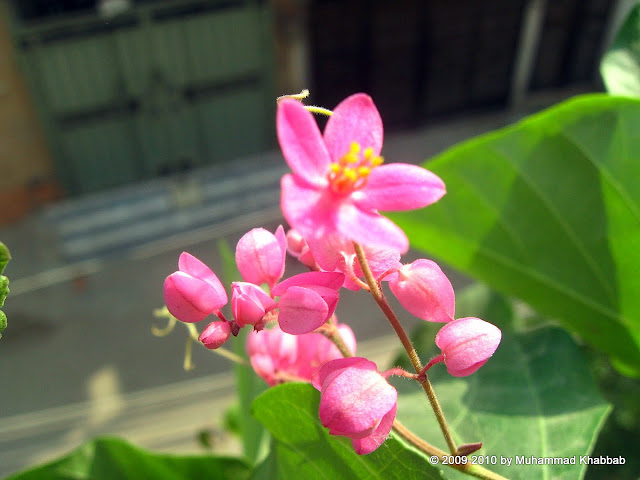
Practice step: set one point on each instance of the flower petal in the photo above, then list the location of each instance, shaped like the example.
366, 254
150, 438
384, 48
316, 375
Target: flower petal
332, 367
399, 186
307, 209
355, 119
189, 299
424, 290
370, 229
366, 445
196, 268
332, 280
354, 401
301, 311
260, 256
301, 142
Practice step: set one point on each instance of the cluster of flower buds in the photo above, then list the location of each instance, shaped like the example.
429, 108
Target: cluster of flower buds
306, 301
331, 199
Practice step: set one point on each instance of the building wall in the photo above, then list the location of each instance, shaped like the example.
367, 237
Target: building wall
26, 168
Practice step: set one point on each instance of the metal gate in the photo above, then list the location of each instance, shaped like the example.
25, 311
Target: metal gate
159, 88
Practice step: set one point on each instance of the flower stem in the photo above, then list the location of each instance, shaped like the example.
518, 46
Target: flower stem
427, 448
229, 355
378, 296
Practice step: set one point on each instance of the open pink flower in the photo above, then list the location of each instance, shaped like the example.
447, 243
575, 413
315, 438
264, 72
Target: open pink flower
467, 344
339, 184
194, 291
356, 402
307, 300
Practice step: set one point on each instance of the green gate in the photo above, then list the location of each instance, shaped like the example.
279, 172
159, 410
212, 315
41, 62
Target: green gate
157, 89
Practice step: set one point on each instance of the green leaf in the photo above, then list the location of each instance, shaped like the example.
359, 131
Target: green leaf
112, 458
4, 256
303, 448
4, 289
3, 322
548, 210
620, 66
535, 397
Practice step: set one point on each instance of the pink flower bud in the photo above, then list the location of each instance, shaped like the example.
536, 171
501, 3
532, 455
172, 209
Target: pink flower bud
194, 291
298, 248
424, 290
249, 303
307, 300
356, 402
215, 334
467, 344
260, 256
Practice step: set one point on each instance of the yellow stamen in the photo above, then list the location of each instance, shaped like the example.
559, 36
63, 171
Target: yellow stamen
375, 162
350, 174
368, 153
335, 168
364, 171
350, 158
355, 148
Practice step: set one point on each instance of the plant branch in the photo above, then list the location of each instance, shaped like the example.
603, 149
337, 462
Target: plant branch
378, 296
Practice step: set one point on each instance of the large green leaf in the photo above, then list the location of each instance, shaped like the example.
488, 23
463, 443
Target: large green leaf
535, 397
112, 458
549, 210
303, 448
620, 66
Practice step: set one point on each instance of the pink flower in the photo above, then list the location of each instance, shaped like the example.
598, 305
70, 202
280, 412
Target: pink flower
356, 402
249, 304
307, 300
339, 184
424, 290
467, 344
260, 256
273, 354
216, 334
277, 356
194, 291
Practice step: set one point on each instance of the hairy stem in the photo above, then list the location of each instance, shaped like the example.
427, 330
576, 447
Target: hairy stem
378, 296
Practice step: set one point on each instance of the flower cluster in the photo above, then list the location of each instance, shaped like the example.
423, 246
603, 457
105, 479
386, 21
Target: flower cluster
332, 199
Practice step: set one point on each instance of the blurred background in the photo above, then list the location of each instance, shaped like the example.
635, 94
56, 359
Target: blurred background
131, 130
